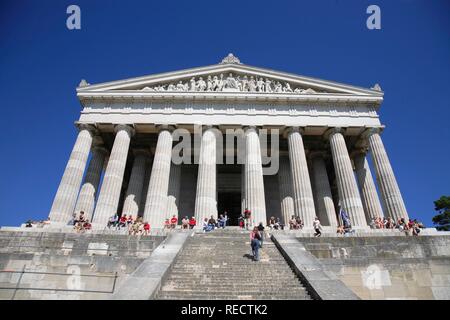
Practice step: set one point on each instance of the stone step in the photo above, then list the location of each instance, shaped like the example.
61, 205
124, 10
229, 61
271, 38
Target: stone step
238, 274
210, 296
168, 286
222, 280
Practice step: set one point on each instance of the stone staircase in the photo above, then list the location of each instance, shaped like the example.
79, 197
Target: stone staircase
218, 265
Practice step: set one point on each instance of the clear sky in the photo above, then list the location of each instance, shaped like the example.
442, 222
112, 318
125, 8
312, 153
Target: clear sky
42, 62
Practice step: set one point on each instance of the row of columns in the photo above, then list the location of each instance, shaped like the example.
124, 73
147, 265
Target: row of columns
361, 203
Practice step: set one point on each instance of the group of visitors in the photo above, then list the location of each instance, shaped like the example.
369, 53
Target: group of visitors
275, 224
186, 223
80, 222
245, 219
295, 223
134, 226
211, 223
411, 226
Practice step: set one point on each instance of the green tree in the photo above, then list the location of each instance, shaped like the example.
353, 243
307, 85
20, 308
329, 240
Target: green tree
442, 220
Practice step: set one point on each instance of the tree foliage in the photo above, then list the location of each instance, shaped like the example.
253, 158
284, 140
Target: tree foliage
442, 219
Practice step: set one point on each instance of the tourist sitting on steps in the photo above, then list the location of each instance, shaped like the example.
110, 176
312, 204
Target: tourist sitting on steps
271, 223
167, 224
212, 223
73, 220
299, 223
87, 225
206, 226
185, 223
122, 221
113, 221
173, 222
222, 222
255, 238
192, 223
292, 223
146, 228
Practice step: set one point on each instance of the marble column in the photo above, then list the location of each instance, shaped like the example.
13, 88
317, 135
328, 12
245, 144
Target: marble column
392, 198
136, 183
348, 189
66, 196
324, 198
286, 193
254, 183
173, 194
109, 197
205, 200
303, 195
89, 189
369, 195
155, 211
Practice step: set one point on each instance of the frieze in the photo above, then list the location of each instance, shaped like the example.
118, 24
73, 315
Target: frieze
229, 83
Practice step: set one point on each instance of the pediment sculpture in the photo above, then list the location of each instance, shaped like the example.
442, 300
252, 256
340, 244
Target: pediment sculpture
230, 83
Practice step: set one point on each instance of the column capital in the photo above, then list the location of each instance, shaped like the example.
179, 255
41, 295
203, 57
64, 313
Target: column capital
288, 130
370, 131
165, 127
246, 128
87, 126
126, 127
206, 127
332, 131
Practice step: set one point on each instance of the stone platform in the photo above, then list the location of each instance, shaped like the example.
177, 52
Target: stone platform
387, 267
61, 264
36, 264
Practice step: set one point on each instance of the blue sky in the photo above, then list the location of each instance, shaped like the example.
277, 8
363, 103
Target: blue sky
42, 62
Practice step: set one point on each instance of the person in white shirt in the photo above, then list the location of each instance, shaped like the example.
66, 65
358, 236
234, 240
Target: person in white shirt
317, 227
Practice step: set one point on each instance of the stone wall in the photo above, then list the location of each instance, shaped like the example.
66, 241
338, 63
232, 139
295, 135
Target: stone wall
388, 267
86, 266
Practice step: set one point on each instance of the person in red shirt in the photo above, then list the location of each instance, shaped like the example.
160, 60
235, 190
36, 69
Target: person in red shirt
87, 225
192, 223
146, 228
173, 222
122, 221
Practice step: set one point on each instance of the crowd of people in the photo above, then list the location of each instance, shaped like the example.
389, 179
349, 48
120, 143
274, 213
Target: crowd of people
137, 226
134, 226
412, 226
295, 223
211, 223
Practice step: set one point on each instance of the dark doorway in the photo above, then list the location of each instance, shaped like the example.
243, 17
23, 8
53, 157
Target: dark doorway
231, 203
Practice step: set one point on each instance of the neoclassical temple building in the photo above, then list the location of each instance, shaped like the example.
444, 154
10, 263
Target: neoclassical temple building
226, 137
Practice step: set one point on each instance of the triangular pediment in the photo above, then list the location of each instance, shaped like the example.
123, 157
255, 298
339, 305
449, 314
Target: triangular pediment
227, 77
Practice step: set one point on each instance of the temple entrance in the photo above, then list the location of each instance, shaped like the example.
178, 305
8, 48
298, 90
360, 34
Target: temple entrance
230, 202
229, 191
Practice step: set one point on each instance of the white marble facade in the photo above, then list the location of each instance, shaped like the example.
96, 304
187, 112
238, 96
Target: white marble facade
328, 131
